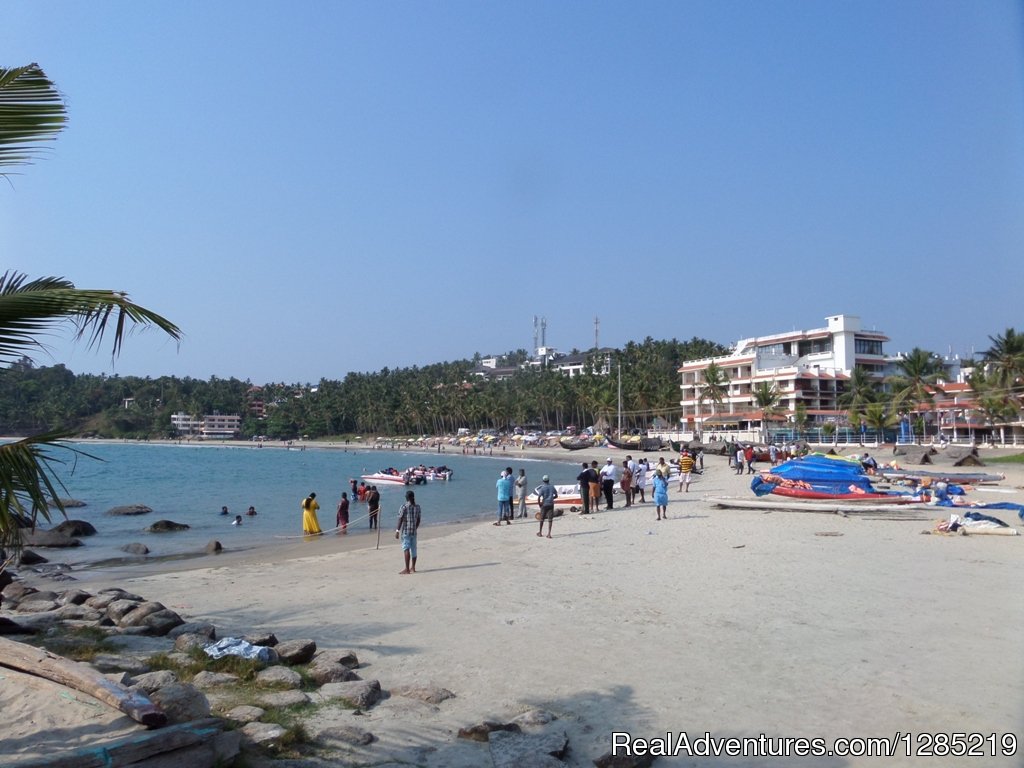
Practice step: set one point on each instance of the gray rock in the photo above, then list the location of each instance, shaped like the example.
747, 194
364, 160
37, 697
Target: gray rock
431, 694
345, 735
535, 717
268, 639
296, 651
205, 680
166, 526
282, 676
78, 613
283, 699
75, 528
204, 628
28, 557
110, 662
181, 703
135, 615
262, 733
135, 548
608, 760
54, 539
323, 671
130, 509
36, 606
361, 694
345, 658
186, 643
245, 714
72, 503
119, 678
73, 597
16, 591
116, 609
161, 622
148, 682
482, 731
214, 547
106, 598
526, 750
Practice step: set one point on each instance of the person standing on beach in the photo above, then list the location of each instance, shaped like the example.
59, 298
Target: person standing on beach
310, 525
608, 477
686, 464
408, 524
342, 516
739, 459
626, 483
583, 478
521, 492
595, 486
660, 485
546, 495
640, 481
373, 505
504, 486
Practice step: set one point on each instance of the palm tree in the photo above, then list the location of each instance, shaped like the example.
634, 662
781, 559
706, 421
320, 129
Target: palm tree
880, 418
918, 380
714, 388
1005, 360
766, 398
31, 113
860, 390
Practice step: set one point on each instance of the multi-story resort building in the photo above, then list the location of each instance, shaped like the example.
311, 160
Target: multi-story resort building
215, 426
811, 368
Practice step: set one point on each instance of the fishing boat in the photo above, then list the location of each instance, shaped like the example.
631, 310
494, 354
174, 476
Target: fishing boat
645, 444
569, 498
575, 443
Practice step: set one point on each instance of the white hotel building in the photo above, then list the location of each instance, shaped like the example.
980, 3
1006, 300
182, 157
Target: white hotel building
808, 367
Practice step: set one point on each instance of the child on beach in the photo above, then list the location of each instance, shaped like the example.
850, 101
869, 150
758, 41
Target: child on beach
661, 494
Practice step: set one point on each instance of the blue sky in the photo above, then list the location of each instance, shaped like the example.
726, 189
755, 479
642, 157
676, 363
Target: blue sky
314, 188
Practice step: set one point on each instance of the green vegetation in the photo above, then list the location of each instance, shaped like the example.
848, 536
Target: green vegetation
434, 399
77, 643
1016, 458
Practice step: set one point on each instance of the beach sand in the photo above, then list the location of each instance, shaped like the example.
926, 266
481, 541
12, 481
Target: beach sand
736, 623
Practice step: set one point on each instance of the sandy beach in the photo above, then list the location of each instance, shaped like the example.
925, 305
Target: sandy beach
733, 623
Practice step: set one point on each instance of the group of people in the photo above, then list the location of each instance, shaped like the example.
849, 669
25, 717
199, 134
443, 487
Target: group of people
238, 518
511, 488
409, 519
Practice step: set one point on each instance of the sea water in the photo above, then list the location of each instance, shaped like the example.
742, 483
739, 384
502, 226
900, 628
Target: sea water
189, 484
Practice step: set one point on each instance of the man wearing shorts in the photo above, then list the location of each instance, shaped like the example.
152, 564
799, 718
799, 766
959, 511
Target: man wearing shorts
408, 523
546, 495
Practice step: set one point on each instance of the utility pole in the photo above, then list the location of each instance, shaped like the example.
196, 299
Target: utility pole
597, 333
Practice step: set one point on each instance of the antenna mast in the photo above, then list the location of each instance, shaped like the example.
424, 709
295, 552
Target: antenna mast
597, 333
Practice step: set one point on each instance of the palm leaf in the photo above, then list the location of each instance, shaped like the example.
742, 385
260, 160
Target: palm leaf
28, 309
28, 486
31, 112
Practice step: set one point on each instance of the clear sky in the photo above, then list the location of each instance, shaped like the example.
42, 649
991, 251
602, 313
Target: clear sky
312, 188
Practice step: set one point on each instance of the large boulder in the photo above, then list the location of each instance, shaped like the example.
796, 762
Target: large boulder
75, 528
166, 526
361, 694
181, 702
130, 509
296, 651
40, 538
135, 548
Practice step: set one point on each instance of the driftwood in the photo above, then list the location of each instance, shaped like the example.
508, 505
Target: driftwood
129, 750
40, 662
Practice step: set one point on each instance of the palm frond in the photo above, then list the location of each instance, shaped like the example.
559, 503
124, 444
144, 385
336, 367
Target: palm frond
30, 308
31, 112
28, 486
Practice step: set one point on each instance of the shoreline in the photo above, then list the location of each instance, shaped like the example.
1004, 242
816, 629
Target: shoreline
726, 621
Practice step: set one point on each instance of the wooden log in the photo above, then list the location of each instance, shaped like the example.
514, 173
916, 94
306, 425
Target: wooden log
129, 750
38, 661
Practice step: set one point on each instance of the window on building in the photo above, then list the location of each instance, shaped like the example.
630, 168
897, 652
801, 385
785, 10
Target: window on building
815, 346
867, 346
